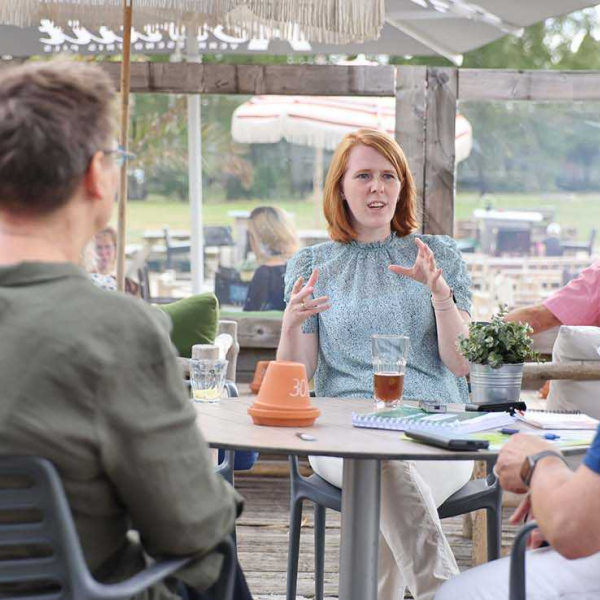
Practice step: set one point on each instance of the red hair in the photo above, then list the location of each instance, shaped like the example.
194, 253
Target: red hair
336, 209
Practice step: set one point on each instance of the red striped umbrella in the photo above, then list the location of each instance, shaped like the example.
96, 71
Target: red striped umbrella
321, 122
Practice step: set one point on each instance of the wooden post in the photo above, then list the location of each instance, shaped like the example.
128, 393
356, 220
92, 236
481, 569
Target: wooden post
439, 161
479, 553
125, 86
411, 112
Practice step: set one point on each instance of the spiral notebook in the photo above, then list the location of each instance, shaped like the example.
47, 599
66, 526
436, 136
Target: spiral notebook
548, 419
415, 419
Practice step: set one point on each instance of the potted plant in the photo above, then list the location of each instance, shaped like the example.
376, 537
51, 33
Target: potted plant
496, 351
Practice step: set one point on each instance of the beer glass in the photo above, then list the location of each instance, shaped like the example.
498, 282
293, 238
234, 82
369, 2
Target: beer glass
389, 364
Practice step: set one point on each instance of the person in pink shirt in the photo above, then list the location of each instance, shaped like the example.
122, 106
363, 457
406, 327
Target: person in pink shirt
578, 303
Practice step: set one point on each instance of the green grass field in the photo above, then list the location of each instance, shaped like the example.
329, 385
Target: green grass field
580, 211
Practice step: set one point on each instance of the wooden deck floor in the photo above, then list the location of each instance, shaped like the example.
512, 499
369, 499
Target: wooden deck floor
263, 537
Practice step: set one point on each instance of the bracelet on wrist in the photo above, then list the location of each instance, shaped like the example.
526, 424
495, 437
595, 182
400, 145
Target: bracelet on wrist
446, 304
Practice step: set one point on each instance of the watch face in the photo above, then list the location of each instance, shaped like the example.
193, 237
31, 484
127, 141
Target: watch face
527, 470
530, 462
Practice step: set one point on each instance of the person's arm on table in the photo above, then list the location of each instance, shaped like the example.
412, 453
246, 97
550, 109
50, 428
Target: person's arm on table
154, 453
577, 303
566, 504
450, 321
538, 316
294, 344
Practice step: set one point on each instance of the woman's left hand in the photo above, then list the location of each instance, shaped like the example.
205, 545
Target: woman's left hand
425, 270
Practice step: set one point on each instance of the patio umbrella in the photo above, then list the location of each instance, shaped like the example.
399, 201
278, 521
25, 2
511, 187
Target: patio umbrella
410, 28
333, 21
321, 123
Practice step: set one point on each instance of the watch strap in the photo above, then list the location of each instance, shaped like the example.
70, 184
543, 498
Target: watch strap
532, 461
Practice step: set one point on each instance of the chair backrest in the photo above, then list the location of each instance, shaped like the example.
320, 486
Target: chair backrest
35, 514
593, 234
516, 583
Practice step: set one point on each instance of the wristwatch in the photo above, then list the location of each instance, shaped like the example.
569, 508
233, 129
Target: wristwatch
531, 461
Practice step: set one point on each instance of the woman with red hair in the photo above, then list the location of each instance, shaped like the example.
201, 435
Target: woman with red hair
377, 276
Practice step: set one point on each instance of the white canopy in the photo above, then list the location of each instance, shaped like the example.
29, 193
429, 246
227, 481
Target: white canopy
321, 122
410, 28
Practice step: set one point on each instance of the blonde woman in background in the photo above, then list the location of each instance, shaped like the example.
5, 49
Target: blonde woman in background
101, 262
274, 241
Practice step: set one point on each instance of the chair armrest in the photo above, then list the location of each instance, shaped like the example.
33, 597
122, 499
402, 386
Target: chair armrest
517, 562
139, 582
231, 328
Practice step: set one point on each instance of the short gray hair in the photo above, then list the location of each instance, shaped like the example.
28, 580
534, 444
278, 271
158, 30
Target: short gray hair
54, 116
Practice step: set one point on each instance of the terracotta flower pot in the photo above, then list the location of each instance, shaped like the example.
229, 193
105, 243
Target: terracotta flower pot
259, 375
283, 399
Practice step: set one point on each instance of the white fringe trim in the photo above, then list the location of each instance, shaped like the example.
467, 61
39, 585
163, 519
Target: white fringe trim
323, 21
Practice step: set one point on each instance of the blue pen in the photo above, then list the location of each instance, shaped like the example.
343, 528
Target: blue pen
511, 431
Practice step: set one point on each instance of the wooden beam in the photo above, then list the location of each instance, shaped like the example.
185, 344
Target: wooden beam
411, 112
440, 164
538, 86
318, 80
534, 374
337, 80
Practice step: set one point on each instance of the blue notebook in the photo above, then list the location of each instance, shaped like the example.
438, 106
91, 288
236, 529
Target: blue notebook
414, 419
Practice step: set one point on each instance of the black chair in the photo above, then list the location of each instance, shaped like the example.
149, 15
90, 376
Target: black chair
584, 246
229, 288
475, 495
516, 582
33, 497
174, 249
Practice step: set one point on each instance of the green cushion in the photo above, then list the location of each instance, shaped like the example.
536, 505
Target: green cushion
195, 321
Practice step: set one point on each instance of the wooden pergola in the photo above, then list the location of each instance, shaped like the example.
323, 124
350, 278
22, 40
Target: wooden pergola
426, 104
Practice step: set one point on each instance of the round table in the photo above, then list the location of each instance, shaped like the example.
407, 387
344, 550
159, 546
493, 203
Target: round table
227, 425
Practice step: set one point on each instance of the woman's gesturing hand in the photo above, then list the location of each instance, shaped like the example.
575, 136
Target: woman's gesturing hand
425, 270
301, 304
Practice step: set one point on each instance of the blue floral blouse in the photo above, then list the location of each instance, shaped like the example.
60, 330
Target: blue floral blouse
366, 298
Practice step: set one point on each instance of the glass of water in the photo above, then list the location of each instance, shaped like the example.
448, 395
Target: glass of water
207, 377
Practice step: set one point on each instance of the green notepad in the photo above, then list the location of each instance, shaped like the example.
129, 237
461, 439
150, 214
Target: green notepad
403, 418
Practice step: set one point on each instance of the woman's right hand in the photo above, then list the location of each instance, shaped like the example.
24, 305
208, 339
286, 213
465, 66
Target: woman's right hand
301, 304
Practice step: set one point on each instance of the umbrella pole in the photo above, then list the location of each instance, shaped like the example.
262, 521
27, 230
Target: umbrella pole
125, 86
318, 186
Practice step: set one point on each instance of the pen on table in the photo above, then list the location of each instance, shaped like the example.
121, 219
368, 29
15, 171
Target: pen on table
547, 436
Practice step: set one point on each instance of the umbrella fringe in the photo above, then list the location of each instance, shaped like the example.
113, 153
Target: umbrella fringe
322, 21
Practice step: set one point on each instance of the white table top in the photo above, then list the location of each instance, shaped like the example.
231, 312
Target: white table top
155, 235
508, 215
228, 425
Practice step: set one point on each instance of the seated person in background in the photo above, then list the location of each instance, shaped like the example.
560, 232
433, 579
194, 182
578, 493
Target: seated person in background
578, 303
273, 240
104, 263
552, 243
89, 379
566, 505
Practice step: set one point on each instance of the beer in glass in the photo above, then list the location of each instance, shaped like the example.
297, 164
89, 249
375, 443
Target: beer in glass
389, 364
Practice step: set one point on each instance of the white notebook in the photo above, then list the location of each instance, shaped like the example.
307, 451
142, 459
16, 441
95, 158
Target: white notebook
545, 419
405, 418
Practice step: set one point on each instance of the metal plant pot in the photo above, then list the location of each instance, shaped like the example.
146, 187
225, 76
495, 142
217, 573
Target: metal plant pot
495, 385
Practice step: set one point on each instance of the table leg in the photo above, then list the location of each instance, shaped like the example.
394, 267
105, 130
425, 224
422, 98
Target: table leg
360, 529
